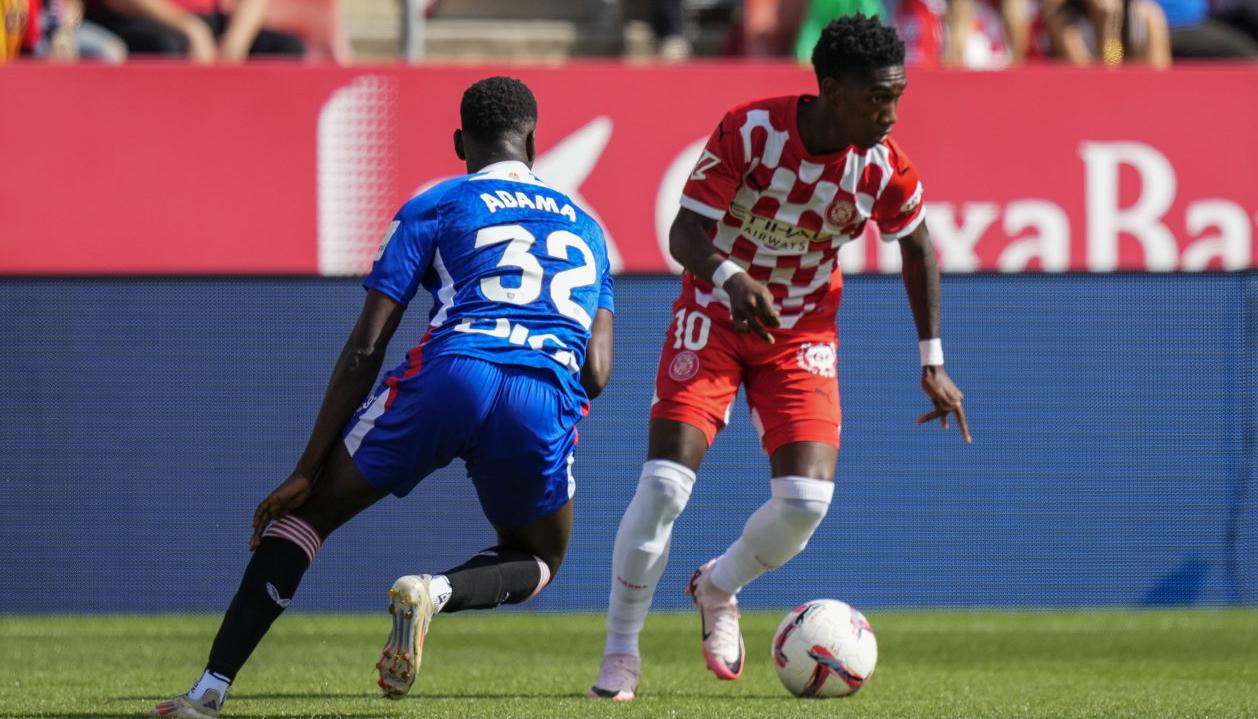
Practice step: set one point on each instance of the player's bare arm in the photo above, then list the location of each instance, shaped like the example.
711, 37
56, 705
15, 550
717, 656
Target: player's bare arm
352, 379
750, 302
597, 369
921, 283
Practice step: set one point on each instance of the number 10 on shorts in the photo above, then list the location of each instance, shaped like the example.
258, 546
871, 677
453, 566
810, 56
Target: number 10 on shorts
692, 330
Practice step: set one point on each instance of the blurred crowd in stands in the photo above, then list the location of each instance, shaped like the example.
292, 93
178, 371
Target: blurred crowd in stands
975, 34
199, 31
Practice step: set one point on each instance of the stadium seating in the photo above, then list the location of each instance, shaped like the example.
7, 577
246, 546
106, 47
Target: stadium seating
481, 30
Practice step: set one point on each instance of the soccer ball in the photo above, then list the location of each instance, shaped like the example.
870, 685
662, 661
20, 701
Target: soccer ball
824, 648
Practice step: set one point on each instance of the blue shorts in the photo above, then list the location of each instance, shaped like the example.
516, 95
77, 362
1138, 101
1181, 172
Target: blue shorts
514, 427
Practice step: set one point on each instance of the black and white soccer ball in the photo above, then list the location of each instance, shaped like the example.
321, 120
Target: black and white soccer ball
824, 648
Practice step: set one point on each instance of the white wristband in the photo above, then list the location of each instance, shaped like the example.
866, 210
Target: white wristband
724, 271
931, 351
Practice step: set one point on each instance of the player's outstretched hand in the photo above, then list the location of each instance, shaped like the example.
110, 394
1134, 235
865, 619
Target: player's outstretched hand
751, 306
947, 398
290, 495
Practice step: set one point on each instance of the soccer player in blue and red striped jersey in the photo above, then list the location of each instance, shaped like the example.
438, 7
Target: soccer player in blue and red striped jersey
519, 340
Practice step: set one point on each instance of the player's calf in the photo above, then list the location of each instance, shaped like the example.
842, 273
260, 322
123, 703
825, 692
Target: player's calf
774, 533
286, 551
498, 575
638, 559
641, 549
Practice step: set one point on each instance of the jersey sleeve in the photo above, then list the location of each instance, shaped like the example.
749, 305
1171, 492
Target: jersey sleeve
606, 300
407, 249
712, 184
899, 210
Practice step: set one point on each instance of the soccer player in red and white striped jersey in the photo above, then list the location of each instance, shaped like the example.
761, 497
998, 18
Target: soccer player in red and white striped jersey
782, 184
781, 212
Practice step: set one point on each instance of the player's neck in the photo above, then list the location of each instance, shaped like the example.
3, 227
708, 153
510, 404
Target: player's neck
819, 137
482, 163
482, 156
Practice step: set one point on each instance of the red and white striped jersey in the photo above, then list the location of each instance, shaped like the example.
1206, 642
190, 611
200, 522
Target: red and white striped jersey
782, 212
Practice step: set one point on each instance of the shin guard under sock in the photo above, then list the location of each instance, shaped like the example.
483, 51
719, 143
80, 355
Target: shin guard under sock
267, 587
641, 549
497, 575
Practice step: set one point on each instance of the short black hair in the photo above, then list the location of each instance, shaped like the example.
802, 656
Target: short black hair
856, 43
496, 106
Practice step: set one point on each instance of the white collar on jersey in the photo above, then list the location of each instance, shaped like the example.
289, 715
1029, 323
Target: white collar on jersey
507, 170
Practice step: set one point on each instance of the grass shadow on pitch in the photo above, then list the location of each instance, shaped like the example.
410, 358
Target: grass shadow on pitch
237, 712
715, 698
777, 696
80, 715
416, 694
263, 695
234, 714
771, 696
238, 699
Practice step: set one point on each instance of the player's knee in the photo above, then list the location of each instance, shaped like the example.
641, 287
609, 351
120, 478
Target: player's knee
319, 522
665, 487
549, 563
802, 502
547, 567
297, 531
527, 558
804, 514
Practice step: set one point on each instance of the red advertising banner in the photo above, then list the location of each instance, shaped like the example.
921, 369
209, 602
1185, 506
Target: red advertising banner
297, 170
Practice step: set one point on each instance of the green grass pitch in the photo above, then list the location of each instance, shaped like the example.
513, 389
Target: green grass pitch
1189, 663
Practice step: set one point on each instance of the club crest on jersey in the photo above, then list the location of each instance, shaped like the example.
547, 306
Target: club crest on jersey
819, 358
684, 366
841, 212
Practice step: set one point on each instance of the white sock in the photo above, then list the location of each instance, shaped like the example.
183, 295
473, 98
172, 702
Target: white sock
438, 591
641, 549
774, 533
210, 680
621, 643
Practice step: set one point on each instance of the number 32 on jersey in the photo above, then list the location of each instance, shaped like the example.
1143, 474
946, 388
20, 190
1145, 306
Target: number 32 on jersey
516, 254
